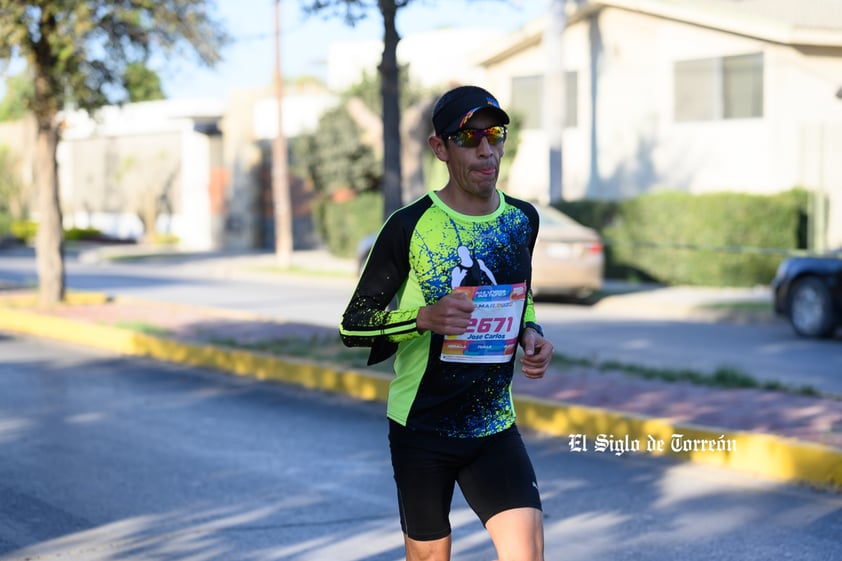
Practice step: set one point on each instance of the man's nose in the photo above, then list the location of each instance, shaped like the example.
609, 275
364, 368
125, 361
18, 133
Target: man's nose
484, 147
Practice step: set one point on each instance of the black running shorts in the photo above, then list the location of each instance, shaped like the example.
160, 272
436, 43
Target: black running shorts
493, 472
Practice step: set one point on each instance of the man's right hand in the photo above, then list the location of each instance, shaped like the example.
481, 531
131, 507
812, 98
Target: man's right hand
449, 316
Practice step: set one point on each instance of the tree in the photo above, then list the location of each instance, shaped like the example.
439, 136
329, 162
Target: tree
19, 90
142, 83
147, 184
78, 53
353, 11
12, 203
335, 157
344, 151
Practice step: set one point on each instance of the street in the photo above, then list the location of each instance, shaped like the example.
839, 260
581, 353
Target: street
769, 352
104, 457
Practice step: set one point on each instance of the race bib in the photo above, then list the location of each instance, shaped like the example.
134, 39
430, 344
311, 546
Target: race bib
492, 335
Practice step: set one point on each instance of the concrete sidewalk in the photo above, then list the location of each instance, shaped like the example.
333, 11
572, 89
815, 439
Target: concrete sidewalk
699, 302
768, 434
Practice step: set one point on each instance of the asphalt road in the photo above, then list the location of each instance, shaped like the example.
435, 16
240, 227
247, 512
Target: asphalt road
105, 458
766, 351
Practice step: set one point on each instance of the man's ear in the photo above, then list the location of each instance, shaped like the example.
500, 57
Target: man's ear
439, 147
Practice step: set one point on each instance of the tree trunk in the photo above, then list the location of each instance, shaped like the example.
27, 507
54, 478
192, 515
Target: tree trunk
415, 129
280, 178
49, 245
389, 90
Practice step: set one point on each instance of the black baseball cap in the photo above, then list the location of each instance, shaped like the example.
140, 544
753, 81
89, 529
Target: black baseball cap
455, 107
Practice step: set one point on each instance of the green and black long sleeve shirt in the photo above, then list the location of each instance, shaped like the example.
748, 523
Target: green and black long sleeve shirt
424, 251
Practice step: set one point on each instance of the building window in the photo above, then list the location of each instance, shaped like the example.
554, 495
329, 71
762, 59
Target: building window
728, 87
742, 86
528, 99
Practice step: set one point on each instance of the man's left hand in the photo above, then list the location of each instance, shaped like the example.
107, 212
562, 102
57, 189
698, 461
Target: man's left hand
537, 353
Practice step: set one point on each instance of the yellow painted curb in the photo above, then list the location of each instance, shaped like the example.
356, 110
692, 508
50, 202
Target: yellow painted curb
590, 429
586, 428
361, 385
73, 298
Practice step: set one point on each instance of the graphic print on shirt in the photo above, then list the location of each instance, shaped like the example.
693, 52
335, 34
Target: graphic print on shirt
469, 269
491, 336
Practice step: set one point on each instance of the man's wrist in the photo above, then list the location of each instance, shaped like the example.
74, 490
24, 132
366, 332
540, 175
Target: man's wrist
421, 320
534, 326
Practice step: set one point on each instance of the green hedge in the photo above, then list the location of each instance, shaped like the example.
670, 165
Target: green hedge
717, 239
25, 230
343, 225
670, 237
5, 224
82, 234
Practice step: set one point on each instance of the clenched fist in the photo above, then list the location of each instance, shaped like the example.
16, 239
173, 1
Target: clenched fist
451, 315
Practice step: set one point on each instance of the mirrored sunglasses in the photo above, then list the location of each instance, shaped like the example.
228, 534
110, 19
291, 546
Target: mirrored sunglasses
471, 138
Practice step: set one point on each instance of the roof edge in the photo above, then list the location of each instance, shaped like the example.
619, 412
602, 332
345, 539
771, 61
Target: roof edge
707, 16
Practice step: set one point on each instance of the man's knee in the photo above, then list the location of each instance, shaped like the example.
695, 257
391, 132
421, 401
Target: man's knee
432, 550
518, 534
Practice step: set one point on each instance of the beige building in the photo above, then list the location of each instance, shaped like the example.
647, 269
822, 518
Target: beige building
679, 94
145, 169
195, 171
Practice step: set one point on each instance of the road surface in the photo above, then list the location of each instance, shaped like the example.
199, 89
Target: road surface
104, 457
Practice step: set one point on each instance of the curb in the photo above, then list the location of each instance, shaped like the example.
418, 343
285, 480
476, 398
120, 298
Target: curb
756, 454
588, 429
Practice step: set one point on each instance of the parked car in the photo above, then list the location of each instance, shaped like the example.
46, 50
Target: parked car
568, 259
808, 292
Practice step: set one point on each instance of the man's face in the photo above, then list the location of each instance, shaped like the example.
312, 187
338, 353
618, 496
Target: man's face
473, 171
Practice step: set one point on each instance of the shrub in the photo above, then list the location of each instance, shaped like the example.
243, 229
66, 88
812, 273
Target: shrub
342, 225
82, 234
25, 230
5, 224
717, 239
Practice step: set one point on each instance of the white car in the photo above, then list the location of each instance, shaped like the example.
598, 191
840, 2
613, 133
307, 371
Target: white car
568, 259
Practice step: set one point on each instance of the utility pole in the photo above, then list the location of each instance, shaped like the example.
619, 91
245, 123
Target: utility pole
280, 179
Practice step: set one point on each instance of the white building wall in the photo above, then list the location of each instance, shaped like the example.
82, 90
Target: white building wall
576, 148
635, 108
810, 135
193, 225
637, 136
529, 168
301, 113
639, 144
99, 187
242, 158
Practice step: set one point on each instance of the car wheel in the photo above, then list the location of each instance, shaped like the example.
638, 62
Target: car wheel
811, 309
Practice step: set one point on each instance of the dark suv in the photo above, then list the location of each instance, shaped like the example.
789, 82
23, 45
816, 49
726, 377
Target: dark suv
808, 292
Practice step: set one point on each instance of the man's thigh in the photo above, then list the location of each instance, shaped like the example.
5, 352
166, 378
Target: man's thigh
425, 473
500, 477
